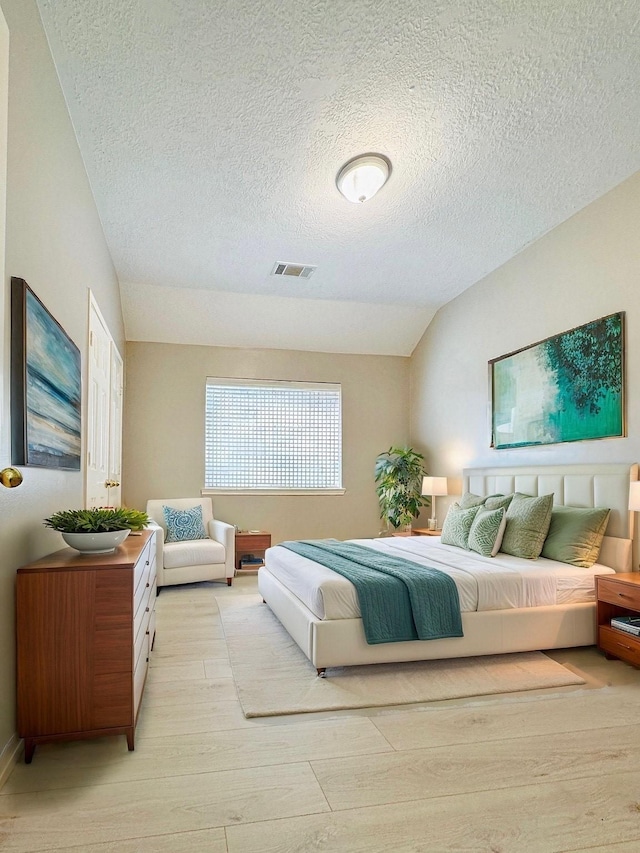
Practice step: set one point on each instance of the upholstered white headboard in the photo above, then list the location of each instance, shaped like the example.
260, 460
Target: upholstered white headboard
572, 485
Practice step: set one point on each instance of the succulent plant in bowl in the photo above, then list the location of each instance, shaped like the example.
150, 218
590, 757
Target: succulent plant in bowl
99, 530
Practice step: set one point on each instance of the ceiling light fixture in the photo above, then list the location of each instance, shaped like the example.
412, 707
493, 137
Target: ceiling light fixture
361, 178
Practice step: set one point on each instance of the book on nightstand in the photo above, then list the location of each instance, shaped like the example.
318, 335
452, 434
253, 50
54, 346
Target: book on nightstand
251, 562
630, 624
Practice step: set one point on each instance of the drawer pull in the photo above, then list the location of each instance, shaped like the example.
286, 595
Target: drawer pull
148, 586
622, 646
147, 563
146, 610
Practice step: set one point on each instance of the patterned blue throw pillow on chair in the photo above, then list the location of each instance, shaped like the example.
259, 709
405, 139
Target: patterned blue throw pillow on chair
184, 524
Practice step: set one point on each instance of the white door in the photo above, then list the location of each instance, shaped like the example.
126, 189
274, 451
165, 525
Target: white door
4, 99
115, 428
98, 405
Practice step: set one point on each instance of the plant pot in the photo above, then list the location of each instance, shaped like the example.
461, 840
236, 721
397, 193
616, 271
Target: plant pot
96, 543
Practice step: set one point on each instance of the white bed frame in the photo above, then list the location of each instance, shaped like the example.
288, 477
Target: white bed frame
341, 642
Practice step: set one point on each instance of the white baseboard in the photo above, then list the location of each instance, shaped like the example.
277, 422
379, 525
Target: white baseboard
9, 757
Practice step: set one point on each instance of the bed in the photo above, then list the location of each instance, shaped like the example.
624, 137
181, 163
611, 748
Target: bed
319, 609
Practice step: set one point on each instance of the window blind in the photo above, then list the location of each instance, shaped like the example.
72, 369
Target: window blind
273, 435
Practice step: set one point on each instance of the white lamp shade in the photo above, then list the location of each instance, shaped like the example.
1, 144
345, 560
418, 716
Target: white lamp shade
634, 497
434, 486
361, 178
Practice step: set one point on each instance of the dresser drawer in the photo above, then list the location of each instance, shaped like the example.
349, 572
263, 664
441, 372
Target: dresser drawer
152, 625
252, 542
142, 597
152, 567
141, 622
140, 672
619, 644
141, 574
615, 592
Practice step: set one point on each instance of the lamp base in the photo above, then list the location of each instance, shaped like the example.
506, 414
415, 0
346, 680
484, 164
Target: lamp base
432, 524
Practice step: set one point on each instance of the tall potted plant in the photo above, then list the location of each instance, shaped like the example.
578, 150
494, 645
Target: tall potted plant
398, 475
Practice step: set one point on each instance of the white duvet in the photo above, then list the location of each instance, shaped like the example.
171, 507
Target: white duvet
484, 583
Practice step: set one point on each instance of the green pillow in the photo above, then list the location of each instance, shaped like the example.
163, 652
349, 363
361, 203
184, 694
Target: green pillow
487, 531
575, 535
457, 524
469, 500
497, 501
528, 522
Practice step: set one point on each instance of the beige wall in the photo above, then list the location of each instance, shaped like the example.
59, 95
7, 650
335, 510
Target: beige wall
584, 269
54, 240
164, 428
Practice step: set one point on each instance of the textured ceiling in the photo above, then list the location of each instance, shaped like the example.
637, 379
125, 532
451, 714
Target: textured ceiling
212, 131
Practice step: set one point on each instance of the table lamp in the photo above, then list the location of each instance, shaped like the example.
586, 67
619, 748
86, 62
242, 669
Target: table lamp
435, 487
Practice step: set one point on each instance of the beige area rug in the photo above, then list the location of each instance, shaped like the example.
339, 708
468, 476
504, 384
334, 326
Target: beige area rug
274, 677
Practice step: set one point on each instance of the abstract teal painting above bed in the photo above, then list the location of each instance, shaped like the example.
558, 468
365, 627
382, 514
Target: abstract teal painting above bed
569, 387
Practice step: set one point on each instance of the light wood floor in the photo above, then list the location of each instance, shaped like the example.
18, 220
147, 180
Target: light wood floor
535, 772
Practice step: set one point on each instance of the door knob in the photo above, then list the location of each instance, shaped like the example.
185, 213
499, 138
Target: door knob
10, 477
111, 484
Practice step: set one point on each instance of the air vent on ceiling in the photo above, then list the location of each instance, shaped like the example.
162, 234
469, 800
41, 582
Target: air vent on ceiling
295, 270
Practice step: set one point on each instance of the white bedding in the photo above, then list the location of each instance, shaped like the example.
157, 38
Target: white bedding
484, 583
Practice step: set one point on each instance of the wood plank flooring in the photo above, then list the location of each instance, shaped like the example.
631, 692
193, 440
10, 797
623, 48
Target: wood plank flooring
538, 772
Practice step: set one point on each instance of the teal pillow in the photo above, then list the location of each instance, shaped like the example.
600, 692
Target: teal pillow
528, 522
184, 524
457, 524
487, 531
497, 501
575, 535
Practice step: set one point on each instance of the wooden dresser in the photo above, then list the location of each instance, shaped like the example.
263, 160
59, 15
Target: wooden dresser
85, 627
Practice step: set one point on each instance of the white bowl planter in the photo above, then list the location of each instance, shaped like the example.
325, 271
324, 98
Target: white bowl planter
96, 543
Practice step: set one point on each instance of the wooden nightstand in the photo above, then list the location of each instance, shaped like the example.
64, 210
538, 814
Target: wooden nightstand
254, 543
618, 595
415, 531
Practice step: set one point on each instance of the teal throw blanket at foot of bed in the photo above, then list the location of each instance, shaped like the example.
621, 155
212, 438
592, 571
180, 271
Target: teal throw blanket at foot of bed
399, 600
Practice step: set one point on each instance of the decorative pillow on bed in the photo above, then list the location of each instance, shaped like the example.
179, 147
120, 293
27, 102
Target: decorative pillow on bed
487, 530
497, 501
575, 535
528, 522
457, 524
469, 500
183, 524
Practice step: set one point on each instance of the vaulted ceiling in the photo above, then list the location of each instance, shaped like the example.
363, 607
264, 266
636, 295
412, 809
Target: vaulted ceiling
213, 130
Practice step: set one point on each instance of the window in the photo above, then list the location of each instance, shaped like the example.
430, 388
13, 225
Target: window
273, 436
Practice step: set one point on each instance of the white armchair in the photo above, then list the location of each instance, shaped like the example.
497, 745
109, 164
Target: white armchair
193, 559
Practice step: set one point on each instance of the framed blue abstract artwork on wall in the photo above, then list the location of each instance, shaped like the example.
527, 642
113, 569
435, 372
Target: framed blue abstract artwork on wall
569, 387
46, 383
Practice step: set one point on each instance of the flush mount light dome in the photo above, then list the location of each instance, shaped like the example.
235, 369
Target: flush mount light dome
362, 177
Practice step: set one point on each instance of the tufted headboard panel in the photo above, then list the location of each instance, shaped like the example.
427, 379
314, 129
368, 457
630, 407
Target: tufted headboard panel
572, 485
